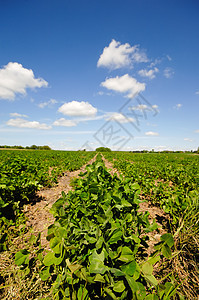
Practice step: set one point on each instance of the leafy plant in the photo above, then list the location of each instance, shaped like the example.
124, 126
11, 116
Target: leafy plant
97, 242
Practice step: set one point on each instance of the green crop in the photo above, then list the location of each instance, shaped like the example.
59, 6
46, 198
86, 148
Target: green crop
170, 181
22, 173
98, 242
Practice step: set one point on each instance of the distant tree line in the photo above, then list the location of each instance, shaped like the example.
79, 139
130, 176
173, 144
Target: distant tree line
164, 151
33, 147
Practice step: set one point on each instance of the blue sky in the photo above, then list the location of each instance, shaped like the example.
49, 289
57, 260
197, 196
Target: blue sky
84, 74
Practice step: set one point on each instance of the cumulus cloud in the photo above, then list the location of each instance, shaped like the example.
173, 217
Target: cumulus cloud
118, 117
64, 122
77, 108
151, 133
124, 84
168, 72
118, 55
18, 115
150, 73
47, 103
15, 79
21, 123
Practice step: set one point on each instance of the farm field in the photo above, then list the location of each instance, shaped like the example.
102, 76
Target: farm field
98, 243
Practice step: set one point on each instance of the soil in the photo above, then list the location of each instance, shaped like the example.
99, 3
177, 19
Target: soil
39, 217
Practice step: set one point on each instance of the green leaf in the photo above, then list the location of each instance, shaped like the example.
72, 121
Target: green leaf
55, 244
130, 268
119, 287
151, 279
99, 278
21, 256
90, 239
115, 237
147, 268
129, 217
116, 272
135, 186
166, 251
168, 239
126, 255
97, 263
74, 267
82, 293
99, 242
49, 259
110, 293
45, 273
132, 283
125, 203
154, 260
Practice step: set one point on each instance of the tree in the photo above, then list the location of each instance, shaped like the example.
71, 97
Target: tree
103, 149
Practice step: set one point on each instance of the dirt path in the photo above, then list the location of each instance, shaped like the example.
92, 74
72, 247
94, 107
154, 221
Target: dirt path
39, 217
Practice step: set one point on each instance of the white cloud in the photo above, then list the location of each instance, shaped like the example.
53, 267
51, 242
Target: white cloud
14, 78
155, 62
124, 84
21, 123
64, 122
47, 103
18, 115
178, 106
76, 108
118, 117
197, 131
118, 55
139, 107
150, 73
144, 107
151, 133
197, 93
188, 140
155, 106
168, 72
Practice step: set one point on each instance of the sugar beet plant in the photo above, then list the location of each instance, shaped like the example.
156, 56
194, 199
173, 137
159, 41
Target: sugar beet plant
97, 242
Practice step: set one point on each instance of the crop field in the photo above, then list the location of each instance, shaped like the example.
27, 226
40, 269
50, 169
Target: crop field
127, 228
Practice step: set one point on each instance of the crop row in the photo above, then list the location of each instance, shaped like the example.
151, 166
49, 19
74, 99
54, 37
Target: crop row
170, 181
22, 173
98, 243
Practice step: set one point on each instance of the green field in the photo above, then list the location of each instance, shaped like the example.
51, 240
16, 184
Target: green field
99, 238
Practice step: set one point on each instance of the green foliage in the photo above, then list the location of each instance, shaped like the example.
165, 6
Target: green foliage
97, 242
33, 147
170, 181
103, 149
22, 173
